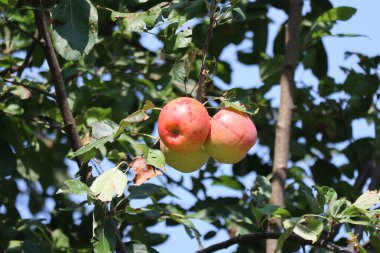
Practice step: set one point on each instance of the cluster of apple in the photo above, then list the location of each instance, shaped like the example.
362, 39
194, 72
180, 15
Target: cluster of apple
188, 137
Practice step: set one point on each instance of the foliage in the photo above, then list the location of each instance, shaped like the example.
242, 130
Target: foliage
111, 75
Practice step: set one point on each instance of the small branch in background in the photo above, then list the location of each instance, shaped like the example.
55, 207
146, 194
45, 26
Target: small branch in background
203, 73
39, 119
282, 139
29, 55
51, 95
248, 238
171, 180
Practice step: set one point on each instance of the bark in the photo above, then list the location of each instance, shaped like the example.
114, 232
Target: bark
281, 150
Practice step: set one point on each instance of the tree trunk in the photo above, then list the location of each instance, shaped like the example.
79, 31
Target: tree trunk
281, 150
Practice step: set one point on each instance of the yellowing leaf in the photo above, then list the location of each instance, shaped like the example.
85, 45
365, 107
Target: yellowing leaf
109, 183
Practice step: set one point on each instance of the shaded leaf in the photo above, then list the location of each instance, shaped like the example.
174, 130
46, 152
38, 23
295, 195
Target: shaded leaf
239, 99
340, 13
289, 226
148, 190
228, 181
136, 117
75, 28
138, 247
106, 238
76, 187
102, 129
93, 144
20, 91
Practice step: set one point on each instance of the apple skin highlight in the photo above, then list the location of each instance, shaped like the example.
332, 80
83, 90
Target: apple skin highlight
184, 162
232, 134
183, 125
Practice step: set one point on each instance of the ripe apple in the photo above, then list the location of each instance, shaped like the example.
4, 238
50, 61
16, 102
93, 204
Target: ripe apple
183, 125
232, 134
189, 162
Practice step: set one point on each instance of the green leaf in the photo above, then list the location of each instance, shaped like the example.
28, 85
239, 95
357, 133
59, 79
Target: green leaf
239, 99
76, 187
368, 200
175, 40
149, 190
180, 70
136, 117
270, 70
309, 228
106, 238
109, 183
228, 181
325, 195
238, 14
75, 28
289, 226
341, 13
153, 157
102, 129
9, 3
336, 207
60, 240
139, 21
91, 145
138, 247
20, 91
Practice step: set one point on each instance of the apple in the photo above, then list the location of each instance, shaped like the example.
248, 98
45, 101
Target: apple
183, 125
231, 135
187, 163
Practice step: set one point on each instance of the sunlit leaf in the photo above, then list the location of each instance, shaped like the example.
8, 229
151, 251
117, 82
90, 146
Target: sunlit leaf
368, 200
109, 183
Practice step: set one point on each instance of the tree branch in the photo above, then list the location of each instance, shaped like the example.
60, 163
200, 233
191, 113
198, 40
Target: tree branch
203, 73
61, 99
58, 82
248, 238
281, 150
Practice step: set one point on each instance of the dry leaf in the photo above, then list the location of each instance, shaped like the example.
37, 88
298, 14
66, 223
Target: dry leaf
86, 139
143, 171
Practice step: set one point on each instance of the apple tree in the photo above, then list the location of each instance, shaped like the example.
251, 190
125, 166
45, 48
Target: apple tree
82, 85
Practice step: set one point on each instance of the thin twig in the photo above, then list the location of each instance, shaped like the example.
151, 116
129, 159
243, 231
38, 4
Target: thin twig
39, 119
203, 73
51, 95
248, 238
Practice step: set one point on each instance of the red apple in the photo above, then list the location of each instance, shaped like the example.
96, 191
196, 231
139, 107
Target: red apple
187, 163
183, 125
232, 134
